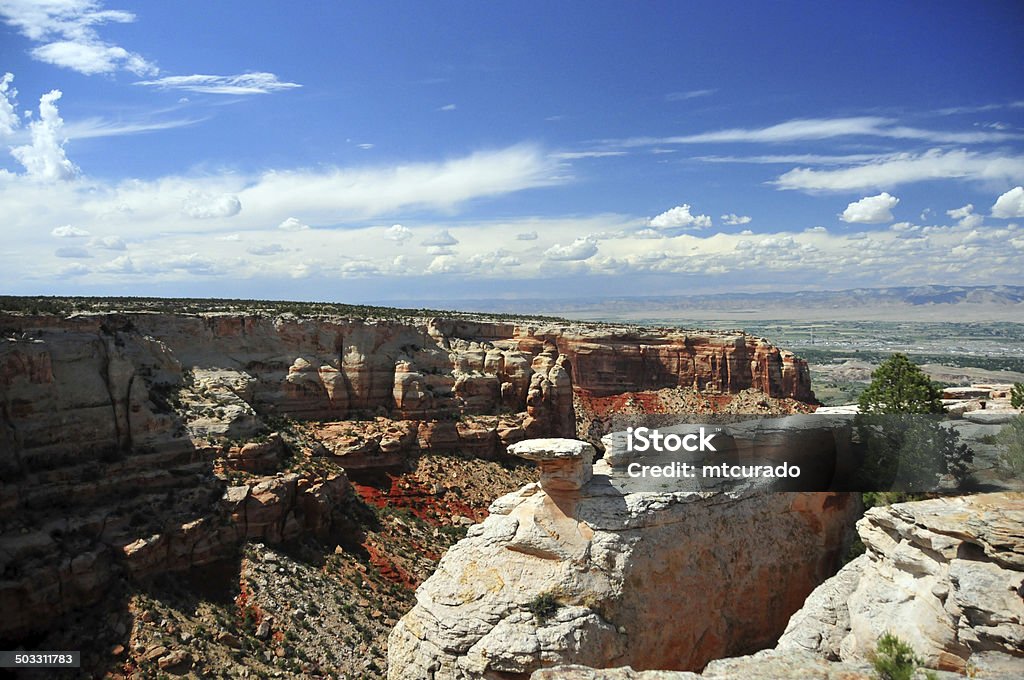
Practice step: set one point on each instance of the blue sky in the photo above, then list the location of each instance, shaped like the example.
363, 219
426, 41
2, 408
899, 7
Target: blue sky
409, 151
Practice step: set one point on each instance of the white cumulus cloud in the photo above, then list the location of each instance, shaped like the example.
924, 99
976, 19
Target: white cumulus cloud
580, 249
44, 157
109, 243
679, 217
72, 252
966, 216
68, 37
870, 209
1010, 204
92, 57
269, 249
73, 269
204, 206
527, 236
68, 231
399, 234
734, 219
9, 121
441, 239
293, 224
119, 265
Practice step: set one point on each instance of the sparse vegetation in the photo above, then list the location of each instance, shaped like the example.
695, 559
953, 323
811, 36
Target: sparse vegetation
894, 659
898, 386
1017, 395
64, 306
544, 606
905, 447
1010, 440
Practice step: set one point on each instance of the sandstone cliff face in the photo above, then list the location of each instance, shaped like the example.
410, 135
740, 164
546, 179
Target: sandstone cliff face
100, 383
574, 570
613, 363
111, 424
945, 575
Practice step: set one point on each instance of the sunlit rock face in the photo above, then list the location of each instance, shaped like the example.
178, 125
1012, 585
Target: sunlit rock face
574, 570
945, 575
104, 417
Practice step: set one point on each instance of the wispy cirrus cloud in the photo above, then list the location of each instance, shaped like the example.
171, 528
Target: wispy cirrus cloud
816, 129
688, 94
576, 155
67, 35
258, 82
806, 158
907, 168
90, 128
981, 108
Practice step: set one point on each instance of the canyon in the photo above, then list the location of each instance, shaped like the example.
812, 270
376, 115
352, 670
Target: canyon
262, 492
137, 444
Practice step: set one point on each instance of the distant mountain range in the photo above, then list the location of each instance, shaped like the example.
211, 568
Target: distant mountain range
910, 303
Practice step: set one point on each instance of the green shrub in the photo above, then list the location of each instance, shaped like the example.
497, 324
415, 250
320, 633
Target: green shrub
1011, 442
1017, 395
894, 659
544, 606
910, 452
898, 386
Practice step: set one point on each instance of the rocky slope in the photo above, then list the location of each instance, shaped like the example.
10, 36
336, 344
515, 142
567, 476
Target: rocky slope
946, 575
576, 570
133, 444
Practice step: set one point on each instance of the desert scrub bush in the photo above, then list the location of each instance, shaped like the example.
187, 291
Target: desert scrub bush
1017, 395
894, 659
544, 606
1010, 441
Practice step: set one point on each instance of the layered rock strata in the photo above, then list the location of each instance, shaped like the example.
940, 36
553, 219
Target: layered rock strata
111, 425
945, 575
575, 570
56, 562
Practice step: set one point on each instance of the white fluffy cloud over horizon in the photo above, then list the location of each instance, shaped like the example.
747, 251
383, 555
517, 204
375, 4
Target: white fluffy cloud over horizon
399, 233
68, 231
599, 246
293, 224
580, 249
966, 216
1010, 204
206, 206
870, 209
679, 217
732, 219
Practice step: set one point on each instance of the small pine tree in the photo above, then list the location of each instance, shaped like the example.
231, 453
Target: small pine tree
898, 386
1010, 441
904, 447
894, 659
1017, 395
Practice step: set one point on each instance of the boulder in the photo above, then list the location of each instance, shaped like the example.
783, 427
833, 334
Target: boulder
946, 575
581, 572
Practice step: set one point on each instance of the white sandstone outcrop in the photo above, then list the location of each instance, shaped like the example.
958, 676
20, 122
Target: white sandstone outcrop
573, 570
946, 575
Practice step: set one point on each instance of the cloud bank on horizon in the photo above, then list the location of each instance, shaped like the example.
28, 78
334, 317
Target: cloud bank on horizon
476, 155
